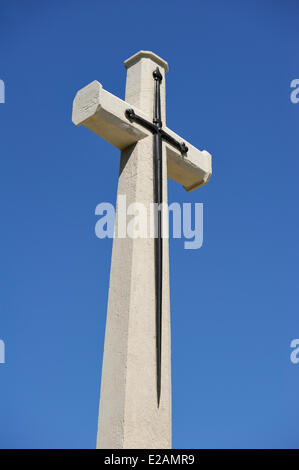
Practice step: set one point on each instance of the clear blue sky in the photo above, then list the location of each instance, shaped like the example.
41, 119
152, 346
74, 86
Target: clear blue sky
235, 301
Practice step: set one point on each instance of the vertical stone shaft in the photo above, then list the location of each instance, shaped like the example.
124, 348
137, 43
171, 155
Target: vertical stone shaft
129, 416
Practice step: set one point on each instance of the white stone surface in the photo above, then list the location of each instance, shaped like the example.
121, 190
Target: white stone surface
104, 114
129, 417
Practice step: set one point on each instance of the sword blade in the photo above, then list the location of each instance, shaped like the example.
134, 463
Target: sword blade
158, 197
158, 254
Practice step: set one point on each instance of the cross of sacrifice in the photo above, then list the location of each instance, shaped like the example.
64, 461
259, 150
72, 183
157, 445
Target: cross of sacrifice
135, 401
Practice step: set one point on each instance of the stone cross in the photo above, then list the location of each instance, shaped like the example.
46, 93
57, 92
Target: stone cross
135, 402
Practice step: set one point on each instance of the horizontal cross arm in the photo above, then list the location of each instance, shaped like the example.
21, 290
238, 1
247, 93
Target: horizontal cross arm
191, 169
107, 116
104, 114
